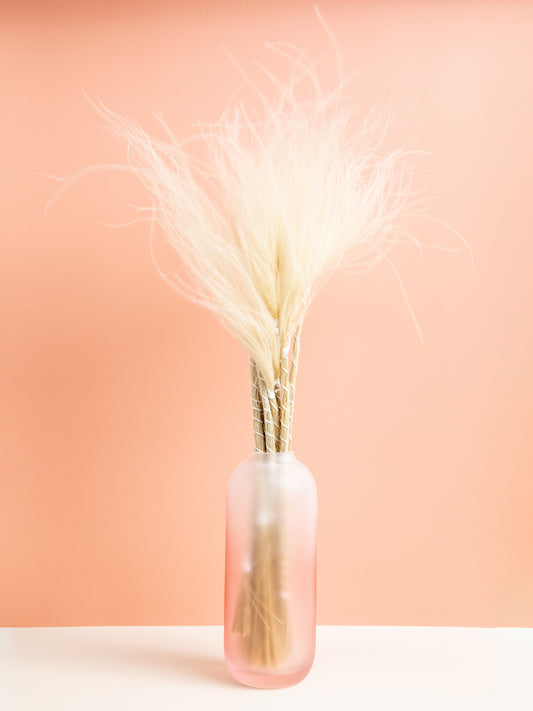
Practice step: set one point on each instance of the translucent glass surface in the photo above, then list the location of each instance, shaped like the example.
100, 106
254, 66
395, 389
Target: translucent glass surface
270, 583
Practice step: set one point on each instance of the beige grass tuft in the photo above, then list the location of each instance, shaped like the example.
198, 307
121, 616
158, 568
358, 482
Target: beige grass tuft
280, 199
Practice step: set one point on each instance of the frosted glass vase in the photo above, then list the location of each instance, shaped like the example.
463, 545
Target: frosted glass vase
270, 578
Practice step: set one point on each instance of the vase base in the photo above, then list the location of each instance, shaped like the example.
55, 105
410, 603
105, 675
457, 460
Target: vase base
265, 679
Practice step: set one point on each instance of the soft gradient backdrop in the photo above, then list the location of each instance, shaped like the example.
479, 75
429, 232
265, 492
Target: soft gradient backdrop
124, 409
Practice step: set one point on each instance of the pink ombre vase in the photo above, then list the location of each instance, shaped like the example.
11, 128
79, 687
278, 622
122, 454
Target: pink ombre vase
270, 585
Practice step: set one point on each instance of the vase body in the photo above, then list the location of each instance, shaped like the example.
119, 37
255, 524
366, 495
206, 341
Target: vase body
270, 576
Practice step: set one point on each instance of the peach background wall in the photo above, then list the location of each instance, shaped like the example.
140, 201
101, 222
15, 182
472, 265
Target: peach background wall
124, 409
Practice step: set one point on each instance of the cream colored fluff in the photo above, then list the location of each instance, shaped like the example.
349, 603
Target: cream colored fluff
281, 198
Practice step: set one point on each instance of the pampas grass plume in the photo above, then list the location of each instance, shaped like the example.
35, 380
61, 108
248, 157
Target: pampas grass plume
280, 199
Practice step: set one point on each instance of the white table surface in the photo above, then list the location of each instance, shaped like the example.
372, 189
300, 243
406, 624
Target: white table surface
360, 668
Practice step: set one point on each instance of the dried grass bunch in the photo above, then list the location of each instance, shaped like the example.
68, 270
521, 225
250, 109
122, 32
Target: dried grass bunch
279, 198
